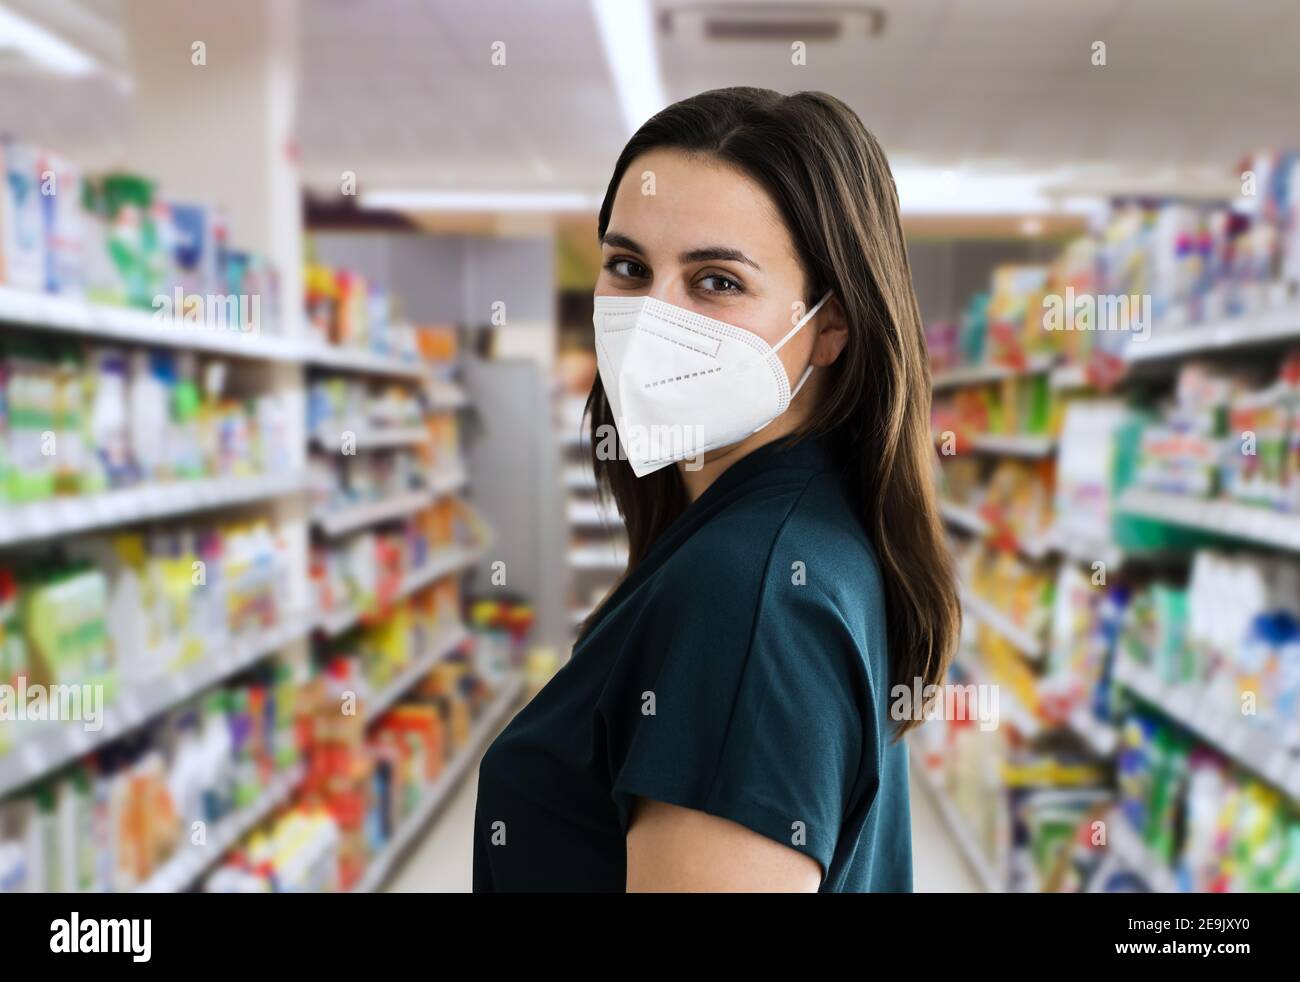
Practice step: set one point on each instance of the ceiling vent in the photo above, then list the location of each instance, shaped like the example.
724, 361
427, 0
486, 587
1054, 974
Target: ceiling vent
722, 21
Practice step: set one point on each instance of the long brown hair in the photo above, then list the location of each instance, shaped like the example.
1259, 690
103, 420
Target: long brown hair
833, 186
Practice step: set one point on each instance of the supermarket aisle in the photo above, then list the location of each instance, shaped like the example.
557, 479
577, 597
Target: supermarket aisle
443, 861
937, 863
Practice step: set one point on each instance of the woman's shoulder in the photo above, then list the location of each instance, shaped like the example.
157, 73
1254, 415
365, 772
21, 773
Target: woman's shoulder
801, 530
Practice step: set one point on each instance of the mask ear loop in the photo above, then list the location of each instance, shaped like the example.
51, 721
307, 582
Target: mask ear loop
795, 330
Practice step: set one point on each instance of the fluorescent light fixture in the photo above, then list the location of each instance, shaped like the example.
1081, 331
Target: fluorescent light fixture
628, 36
43, 46
479, 201
949, 191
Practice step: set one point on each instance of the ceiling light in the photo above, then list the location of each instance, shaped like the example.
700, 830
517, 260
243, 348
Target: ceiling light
42, 46
628, 36
479, 201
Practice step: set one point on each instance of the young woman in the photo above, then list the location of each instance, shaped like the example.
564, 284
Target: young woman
725, 720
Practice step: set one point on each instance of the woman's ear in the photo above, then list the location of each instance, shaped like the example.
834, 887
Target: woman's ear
832, 333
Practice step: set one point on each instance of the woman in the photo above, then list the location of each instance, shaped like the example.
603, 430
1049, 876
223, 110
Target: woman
724, 722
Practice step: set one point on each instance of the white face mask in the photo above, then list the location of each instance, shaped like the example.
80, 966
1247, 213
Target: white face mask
680, 383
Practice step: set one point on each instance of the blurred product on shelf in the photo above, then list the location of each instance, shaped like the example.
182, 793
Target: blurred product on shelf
1087, 619
345, 310
501, 628
368, 778
1013, 507
1234, 632
1215, 829
129, 610
1151, 268
368, 571
1227, 434
342, 403
116, 819
1019, 405
82, 418
1020, 591
339, 481
424, 624
1085, 473
113, 239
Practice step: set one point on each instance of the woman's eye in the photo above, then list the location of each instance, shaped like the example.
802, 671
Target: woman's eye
628, 269
719, 284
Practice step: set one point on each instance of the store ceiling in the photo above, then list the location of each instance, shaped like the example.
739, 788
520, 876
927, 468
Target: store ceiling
404, 92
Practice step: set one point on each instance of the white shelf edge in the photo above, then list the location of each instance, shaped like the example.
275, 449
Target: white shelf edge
1228, 518
53, 314
343, 520
1134, 854
962, 517
373, 438
1282, 324
1182, 704
990, 372
50, 517
1014, 446
359, 360
381, 866
986, 613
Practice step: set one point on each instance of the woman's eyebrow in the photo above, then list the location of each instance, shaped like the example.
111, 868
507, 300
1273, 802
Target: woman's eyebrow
620, 241
716, 253
705, 254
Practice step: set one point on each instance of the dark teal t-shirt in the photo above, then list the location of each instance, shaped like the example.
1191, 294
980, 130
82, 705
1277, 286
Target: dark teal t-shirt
740, 670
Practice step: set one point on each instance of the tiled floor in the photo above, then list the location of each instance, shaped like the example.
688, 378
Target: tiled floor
443, 861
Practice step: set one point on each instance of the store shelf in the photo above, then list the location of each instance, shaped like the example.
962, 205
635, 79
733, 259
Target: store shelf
1015, 445
339, 358
444, 562
340, 521
373, 438
381, 867
1086, 547
446, 397
1251, 747
1124, 841
1100, 737
1277, 326
448, 480
980, 374
579, 478
986, 613
192, 861
1067, 377
592, 515
598, 557
71, 515
63, 315
52, 744
962, 517
979, 864
420, 666
1255, 524
1010, 707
